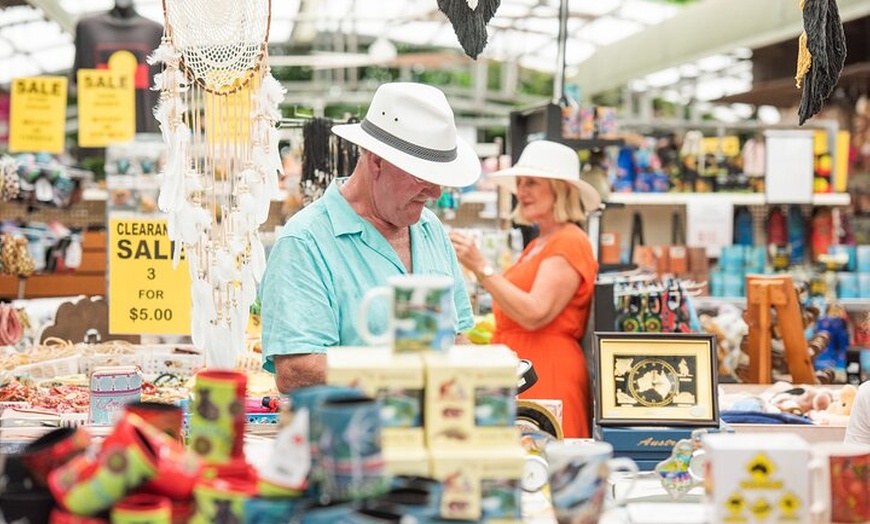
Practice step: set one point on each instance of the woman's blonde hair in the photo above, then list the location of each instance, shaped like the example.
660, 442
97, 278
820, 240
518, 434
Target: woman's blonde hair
568, 206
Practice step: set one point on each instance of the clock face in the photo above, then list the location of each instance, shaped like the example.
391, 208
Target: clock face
653, 382
535, 474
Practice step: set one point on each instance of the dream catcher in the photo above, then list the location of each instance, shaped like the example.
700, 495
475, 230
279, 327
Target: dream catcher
218, 110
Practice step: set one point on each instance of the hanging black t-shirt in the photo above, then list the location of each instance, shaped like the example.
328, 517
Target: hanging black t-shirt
99, 36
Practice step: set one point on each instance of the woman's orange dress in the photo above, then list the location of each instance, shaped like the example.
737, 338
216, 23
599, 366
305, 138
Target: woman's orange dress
554, 349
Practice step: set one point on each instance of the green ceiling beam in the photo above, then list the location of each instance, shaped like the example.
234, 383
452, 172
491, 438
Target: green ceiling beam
700, 30
54, 11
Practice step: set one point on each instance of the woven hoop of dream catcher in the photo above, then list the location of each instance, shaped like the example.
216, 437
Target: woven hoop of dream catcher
218, 111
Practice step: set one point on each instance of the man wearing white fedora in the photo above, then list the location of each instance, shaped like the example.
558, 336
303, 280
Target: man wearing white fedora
365, 228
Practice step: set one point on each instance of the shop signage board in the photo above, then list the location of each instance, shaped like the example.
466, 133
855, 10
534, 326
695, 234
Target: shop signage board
146, 294
38, 114
107, 107
710, 223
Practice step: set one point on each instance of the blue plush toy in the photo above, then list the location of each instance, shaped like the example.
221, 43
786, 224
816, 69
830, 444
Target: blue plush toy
836, 325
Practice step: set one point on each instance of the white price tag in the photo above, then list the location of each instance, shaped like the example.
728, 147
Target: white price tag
710, 223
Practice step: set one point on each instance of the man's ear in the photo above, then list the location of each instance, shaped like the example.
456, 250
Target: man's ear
374, 164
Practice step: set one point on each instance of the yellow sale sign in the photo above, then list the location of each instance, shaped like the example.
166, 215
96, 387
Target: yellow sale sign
37, 118
146, 294
107, 107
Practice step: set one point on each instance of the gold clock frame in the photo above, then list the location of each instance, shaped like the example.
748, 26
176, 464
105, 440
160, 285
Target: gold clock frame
691, 401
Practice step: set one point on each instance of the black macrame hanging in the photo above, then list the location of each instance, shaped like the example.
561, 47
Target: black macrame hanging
821, 55
325, 156
317, 168
469, 19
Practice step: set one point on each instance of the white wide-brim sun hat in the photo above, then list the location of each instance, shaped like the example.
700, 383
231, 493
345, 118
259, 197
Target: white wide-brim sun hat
546, 159
411, 126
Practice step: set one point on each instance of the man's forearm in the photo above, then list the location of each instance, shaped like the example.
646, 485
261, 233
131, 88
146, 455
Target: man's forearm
298, 371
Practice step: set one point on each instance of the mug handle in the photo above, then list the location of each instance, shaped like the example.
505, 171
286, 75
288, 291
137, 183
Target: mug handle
817, 503
363, 316
696, 464
625, 464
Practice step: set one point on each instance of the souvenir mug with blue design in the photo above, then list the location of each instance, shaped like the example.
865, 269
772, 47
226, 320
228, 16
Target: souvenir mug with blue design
420, 315
303, 402
578, 476
350, 458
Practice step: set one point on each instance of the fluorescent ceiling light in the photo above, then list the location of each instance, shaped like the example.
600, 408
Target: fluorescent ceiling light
21, 36
744, 111
638, 86
280, 30
713, 88
607, 30
444, 37
153, 11
6, 48
17, 66
743, 53
689, 71
19, 14
715, 63
417, 33
725, 114
55, 59
769, 115
647, 13
665, 77
284, 8
539, 25
544, 11
577, 51
587, 7
513, 43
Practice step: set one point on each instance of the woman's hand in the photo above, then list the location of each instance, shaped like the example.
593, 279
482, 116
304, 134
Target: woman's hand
467, 253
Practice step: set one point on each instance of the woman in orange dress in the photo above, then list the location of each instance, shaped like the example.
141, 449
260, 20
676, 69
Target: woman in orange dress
542, 302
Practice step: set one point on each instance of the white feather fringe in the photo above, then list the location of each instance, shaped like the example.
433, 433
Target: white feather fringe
164, 54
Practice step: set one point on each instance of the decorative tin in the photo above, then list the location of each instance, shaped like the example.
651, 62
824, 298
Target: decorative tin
112, 388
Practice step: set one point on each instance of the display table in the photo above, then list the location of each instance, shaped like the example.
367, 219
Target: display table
647, 502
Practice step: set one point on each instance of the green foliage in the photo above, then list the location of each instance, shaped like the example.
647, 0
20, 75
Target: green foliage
664, 109
443, 77
491, 133
96, 165
611, 98
340, 111
535, 83
292, 73
378, 74
493, 81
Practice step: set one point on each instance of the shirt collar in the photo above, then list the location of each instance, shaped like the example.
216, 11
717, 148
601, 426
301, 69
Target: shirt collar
344, 219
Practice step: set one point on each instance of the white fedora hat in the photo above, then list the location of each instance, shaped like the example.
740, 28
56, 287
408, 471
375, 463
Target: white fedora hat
411, 126
546, 159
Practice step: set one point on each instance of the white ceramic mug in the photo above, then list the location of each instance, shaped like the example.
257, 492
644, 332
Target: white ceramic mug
578, 476
840, 482
419, 316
